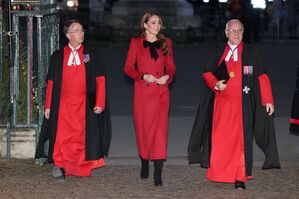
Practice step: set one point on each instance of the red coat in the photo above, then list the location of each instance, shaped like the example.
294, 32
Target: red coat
151, 101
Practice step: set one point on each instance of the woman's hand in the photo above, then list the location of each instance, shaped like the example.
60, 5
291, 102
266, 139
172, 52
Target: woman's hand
163, 79
149, 78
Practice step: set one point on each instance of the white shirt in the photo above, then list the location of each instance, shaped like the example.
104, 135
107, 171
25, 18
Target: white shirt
233, 52
74, 59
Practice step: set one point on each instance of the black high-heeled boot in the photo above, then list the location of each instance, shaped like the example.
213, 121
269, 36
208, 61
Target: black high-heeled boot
144, 172
158, 165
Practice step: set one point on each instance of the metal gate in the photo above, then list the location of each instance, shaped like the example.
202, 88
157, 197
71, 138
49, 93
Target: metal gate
33, 37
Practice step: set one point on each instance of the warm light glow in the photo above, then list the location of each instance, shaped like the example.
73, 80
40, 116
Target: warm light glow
258, 4
206, 1
272, 0
70, 3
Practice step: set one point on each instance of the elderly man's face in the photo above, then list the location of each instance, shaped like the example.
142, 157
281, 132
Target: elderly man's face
75, 34
234, 33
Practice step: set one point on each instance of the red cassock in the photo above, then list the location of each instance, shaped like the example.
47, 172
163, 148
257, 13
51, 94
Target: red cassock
227, 160
151, 101
69, 147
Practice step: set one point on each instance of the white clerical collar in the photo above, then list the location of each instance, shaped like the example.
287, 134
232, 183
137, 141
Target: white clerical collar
232, 53
74, 59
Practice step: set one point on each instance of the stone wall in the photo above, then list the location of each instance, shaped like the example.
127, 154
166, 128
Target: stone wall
22, 143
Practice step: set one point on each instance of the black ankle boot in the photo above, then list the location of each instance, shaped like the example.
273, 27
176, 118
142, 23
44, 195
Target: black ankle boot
158, 165
240, 185
144, 172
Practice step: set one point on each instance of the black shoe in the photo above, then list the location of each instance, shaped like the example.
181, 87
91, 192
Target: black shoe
144, 172
58, 172
240, 185
63, 172
158, 165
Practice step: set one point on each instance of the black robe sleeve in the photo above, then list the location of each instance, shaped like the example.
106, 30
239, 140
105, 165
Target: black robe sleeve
47, 133
199, 146
98, 126
104, 119
294, 125
264, 131
262, 125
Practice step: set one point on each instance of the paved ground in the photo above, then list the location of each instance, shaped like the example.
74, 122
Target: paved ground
123, 143
23, 179
120, 179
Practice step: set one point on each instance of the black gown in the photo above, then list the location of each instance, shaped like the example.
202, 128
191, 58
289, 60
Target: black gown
294, 121
256, 122
98, 126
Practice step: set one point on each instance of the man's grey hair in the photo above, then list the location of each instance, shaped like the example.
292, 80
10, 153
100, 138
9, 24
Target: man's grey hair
231, 21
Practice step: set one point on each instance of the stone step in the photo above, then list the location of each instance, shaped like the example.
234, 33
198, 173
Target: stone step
22, 143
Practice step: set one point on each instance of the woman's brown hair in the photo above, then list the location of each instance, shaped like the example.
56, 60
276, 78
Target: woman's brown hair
144, 19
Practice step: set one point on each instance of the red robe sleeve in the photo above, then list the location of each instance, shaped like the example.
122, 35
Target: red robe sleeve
210, 80
208, 76
49, 94
266, 90
129, 68
170, 66
100, 92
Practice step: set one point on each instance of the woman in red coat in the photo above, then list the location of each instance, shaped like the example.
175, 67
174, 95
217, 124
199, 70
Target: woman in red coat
150, 63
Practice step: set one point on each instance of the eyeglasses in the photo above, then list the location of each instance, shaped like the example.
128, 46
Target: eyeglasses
77, 31
235, 31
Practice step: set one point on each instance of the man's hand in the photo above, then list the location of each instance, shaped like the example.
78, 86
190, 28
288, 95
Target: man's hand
97, 110
149, 78
163, 79
270, 108
220, 86
47, 113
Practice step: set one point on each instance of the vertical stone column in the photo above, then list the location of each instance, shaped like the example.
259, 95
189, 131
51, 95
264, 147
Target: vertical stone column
1, 61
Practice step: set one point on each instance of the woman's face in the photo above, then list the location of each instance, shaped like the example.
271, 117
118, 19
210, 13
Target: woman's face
153, 26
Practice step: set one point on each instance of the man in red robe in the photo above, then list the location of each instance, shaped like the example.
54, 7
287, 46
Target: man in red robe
294, 120
236, 104
77, 120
